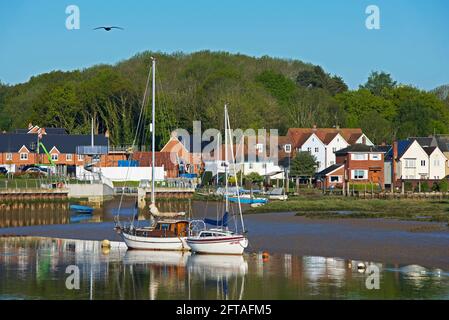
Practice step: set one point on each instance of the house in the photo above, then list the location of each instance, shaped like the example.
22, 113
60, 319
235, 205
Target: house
415, 159
331, 177
324, 142
162, 159
362, 164
187, 158
38, 146
249, 158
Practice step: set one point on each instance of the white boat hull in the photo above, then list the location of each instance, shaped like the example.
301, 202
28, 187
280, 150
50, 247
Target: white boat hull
233, 245
152, 243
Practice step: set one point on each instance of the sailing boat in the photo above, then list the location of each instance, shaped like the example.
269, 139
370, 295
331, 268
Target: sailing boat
168, 232
219, 240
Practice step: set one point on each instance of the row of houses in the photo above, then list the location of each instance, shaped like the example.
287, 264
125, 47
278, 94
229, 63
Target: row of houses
342, 155
415, 160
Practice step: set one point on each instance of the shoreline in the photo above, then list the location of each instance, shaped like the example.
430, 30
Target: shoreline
371, 240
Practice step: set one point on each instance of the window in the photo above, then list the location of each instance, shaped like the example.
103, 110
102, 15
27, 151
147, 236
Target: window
259, 147
359, 174
264, 165
80, 157
9, 157
309, 150
317, 150
410, 163
68, 157
423, 163
318, 164
375, 157
359, 156
250, 165
334, 149
334, 179
54, 156
436, 163
288, 148
332, 163
24, 156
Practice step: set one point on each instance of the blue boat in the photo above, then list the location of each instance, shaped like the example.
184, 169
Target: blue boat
248, 200
81, 209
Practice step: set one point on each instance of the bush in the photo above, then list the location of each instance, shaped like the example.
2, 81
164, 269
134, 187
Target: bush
424, 187
408, 186
443, 186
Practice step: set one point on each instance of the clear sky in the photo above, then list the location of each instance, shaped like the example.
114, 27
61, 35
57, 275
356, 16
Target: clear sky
412, 43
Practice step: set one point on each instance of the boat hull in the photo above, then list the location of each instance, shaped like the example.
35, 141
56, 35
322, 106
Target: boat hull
249, 200
157, 244
231, 245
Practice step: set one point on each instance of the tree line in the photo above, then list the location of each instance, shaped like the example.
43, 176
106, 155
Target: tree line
261, 93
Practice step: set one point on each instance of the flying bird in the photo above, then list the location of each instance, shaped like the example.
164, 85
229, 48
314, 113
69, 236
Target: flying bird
109, 28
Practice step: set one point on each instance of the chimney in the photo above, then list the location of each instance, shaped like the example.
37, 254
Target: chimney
30, 126
337, 127
314, 127
394, 162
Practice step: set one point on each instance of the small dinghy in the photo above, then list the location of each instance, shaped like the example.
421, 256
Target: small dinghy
81, 209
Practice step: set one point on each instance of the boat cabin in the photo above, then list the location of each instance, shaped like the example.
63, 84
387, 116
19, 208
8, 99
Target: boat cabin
167, 228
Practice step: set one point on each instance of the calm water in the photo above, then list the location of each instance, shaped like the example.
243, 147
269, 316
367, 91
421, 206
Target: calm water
32, 268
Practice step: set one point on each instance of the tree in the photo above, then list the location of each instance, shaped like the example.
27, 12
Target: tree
304, 164
317, 78
378, 81
253, 178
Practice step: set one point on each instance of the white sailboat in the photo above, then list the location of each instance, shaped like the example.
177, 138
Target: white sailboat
219, 240
170, 230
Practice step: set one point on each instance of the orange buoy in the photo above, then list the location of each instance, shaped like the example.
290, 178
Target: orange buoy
265, 255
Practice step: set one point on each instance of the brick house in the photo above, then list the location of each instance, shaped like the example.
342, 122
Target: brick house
162, 159
362, 164
20, 148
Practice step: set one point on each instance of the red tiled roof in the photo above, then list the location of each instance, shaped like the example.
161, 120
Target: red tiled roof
300, 135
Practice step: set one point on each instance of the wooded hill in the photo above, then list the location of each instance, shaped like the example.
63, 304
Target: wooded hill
261, 93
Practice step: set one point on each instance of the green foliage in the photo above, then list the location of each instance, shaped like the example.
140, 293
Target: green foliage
378, 81
304, 164
443, 186
317, 78
252, 178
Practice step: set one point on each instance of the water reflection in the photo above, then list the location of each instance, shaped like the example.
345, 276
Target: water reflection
52, 213
34, 268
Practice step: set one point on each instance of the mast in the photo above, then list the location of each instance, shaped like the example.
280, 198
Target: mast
226, 157
153, 136
92, 134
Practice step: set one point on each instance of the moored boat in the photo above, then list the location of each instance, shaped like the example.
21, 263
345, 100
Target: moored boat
169, 230
219, 239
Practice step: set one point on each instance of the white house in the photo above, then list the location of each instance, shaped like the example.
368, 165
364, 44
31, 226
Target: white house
324, 142
317, 148
419, 163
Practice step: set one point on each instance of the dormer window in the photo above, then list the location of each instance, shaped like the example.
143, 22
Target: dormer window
23, 156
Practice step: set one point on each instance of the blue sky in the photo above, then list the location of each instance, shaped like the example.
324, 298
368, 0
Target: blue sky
412, 44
